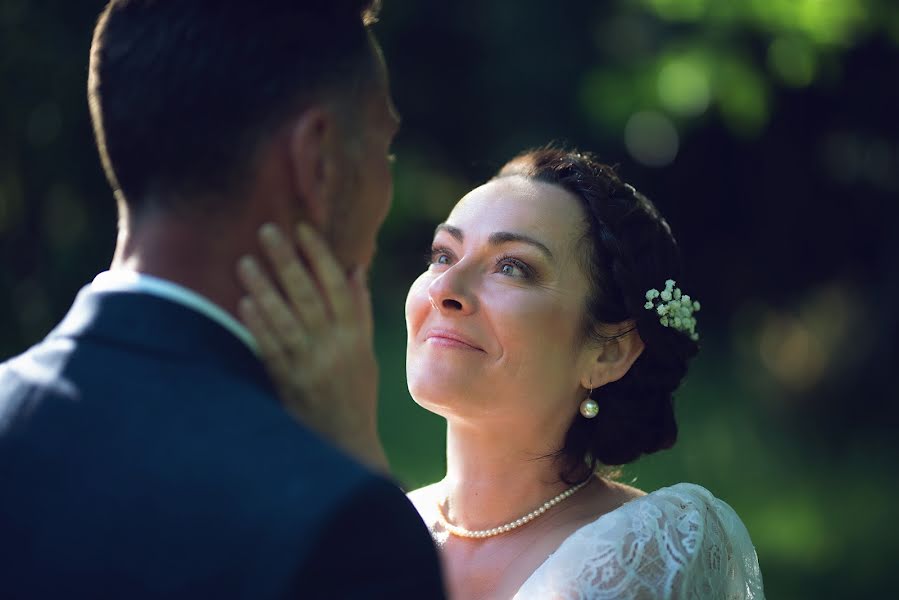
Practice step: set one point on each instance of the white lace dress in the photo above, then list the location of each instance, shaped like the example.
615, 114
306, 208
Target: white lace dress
678, 543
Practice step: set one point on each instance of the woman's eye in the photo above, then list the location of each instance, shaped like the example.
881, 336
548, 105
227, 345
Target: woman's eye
438, 256
512, 267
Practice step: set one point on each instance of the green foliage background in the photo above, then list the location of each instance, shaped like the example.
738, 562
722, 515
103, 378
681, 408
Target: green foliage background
764, 129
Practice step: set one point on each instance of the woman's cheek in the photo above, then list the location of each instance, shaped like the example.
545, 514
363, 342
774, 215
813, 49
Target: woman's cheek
417, 302
533, 321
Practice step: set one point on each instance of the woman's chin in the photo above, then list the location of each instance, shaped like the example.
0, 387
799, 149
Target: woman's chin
441, 410
457, 404
443, 396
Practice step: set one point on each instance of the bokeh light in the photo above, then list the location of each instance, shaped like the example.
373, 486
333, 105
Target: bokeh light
683, 86
793, 60
651, 138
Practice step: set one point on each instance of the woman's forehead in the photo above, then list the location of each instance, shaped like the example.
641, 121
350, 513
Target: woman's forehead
520, 205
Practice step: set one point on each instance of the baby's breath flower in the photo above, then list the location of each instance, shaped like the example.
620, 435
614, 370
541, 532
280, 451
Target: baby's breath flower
675, 309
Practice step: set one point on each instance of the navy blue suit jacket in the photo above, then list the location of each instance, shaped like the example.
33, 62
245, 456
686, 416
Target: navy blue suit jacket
143, 454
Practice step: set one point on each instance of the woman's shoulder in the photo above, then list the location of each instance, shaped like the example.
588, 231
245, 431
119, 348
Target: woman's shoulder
677, 498
689, 514
682, 538
688, 502
621, 493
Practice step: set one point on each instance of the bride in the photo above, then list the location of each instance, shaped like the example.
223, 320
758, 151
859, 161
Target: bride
551, 333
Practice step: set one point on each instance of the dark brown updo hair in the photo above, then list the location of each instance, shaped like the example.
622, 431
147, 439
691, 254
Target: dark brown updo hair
626, 250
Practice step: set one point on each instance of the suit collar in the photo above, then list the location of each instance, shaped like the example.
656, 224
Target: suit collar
124, 280
159, 325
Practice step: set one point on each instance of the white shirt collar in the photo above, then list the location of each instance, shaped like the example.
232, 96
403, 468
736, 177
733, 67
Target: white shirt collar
121, 280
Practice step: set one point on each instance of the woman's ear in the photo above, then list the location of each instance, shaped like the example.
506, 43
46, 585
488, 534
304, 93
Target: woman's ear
314, 156
612, 359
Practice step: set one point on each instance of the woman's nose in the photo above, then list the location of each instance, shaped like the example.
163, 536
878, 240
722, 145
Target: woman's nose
450, 292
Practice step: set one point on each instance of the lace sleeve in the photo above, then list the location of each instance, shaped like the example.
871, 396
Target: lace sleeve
679, 543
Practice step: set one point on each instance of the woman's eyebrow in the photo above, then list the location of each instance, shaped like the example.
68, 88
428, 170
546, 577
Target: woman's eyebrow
498, 238
504, 237
453, 231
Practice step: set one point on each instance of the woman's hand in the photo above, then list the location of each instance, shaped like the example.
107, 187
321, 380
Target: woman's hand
315, 336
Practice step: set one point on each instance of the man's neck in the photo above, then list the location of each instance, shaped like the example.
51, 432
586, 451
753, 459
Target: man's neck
194, 257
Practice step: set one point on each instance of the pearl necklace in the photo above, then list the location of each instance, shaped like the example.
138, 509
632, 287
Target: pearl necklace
485, 533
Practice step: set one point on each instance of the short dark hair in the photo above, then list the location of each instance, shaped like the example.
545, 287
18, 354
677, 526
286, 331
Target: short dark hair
182, 92
627, 249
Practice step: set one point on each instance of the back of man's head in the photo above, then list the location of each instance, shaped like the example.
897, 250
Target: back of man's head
182, 92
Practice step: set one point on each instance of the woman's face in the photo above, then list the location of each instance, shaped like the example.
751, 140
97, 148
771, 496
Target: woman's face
494, 323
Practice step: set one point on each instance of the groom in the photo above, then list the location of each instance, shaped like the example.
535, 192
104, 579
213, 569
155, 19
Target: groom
143, 452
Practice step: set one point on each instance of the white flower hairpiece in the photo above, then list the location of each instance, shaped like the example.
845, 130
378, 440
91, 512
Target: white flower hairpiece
675, 309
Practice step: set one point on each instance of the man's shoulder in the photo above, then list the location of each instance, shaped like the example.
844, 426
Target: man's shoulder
119, 403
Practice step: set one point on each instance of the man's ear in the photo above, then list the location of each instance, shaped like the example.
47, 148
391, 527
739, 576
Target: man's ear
613, 359
313, 152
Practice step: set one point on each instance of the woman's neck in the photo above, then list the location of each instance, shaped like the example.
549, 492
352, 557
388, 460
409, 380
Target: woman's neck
492, 478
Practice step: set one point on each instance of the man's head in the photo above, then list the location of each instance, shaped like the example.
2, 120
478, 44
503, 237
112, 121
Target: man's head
203, 106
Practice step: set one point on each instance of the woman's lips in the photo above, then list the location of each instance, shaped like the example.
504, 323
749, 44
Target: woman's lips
451, 339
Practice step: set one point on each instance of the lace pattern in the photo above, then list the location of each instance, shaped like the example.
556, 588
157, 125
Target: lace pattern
679, 543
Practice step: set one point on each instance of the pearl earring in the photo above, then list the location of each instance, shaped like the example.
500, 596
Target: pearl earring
589, 407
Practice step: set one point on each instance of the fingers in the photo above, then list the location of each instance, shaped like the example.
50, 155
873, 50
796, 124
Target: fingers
285, 328
318, 298
271, 350
327, 271
302, 292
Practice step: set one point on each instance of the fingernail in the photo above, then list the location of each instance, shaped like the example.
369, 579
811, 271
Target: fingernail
269, 233
247, 265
